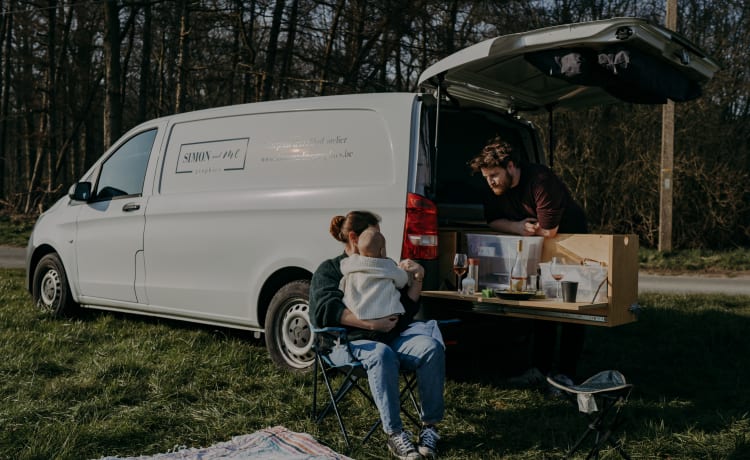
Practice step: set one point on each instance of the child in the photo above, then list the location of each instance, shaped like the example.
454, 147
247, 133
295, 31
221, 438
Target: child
371, 285
371, 280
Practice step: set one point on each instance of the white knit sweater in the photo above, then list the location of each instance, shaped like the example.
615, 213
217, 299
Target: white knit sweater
371, 286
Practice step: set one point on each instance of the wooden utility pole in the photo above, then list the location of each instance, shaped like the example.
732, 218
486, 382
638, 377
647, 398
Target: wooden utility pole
666, 184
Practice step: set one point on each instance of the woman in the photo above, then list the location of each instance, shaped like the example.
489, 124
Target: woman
379, 345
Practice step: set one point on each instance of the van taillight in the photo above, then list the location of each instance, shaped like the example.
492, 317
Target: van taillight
421, 229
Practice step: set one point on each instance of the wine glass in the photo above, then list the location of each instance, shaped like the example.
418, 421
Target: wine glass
556, 270
460, 264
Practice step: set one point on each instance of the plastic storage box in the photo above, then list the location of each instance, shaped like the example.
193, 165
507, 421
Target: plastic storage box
497, 253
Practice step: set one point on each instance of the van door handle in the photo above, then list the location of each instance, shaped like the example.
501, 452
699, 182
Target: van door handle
131, 207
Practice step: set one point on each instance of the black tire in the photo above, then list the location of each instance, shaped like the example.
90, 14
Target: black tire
50, 290
289, 334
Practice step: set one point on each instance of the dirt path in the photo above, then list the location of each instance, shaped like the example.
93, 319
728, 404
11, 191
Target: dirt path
12, 257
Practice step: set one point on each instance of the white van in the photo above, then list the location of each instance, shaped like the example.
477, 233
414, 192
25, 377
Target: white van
221, 216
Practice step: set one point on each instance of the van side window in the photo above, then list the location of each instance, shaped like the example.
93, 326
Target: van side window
124, 171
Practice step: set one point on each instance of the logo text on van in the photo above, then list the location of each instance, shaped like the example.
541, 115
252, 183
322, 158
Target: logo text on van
313, 148
214, 156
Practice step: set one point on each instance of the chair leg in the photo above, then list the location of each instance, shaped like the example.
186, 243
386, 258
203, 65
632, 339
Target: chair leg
607, 436
614, 404
578, 443
334, 399
314, 410
408, 392
602, 432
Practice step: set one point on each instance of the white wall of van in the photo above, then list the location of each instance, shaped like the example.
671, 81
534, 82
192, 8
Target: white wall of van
236, 203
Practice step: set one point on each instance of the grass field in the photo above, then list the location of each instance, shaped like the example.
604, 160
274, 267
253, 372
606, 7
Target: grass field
109, 384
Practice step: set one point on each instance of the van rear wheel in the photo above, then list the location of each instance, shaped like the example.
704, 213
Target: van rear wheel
289, 335
50, 290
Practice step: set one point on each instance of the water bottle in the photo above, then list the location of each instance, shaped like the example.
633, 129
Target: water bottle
470, 284
518, 274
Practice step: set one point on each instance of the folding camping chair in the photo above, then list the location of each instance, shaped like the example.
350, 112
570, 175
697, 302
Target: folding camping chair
352, 373
601, 398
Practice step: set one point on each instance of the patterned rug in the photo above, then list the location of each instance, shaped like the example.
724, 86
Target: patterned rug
275, 443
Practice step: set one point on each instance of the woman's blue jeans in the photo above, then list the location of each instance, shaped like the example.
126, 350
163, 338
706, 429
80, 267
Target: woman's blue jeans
420, 353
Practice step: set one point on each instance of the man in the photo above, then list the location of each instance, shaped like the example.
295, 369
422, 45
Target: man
530, 200
527, 199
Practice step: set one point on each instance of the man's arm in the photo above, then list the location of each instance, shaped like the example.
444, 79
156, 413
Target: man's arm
526, 227
507, 226
547, 233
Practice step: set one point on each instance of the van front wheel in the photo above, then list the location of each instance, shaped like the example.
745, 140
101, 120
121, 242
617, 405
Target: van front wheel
289, 335
50, 290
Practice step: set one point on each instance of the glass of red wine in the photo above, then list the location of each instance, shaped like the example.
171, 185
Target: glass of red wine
556, 270
460, 265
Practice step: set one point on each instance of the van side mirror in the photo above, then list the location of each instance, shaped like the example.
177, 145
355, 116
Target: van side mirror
81, 191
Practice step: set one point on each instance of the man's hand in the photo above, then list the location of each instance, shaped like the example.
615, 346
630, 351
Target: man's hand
528, 227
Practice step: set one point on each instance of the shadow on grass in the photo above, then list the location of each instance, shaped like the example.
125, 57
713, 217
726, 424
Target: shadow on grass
687, 358
93, 315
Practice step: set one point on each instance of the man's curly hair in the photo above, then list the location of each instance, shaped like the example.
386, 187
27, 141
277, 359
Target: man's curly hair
497, 153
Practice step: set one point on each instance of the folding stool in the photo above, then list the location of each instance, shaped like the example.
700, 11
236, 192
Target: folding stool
601, 398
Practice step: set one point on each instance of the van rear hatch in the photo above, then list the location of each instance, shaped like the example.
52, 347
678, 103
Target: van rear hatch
574, 66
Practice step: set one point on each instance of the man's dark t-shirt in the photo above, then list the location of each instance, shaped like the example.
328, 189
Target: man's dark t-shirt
540, 194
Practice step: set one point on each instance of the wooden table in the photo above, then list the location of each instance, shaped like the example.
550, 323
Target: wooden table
549, 309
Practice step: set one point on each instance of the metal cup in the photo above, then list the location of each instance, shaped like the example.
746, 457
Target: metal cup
569, 290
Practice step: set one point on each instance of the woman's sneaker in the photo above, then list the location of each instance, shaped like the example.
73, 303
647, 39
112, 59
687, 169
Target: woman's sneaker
428, 439
401, 446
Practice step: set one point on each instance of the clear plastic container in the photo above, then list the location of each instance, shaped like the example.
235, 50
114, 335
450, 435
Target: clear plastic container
497, 253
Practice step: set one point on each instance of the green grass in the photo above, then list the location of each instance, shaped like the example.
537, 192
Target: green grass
110, 384
15, 231
695, 260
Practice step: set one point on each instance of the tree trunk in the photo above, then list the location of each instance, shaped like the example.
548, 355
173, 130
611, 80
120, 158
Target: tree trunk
52, 91
112, 74
183, 58
58, 121
361, 43
329, 46
236, 52
354, 45
450, 28
288, 50
143, 84
278, 12
5, 97
247, 29
127, 30
46, 131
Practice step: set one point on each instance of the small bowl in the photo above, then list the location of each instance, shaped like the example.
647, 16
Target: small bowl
514, 295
